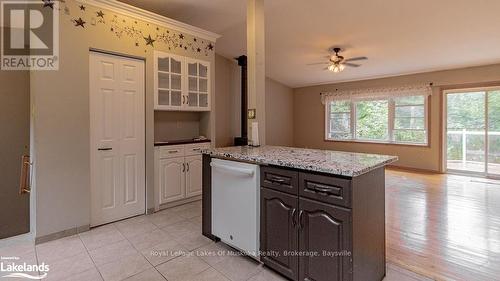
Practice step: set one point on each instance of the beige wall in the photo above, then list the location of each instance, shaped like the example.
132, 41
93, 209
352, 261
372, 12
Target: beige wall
309, 114
279, 114
176, 125
279, 106
227, 87
61, 120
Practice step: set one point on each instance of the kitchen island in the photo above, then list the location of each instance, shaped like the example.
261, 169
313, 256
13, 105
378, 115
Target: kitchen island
321, 213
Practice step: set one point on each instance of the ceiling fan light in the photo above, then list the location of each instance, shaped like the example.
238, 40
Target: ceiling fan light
331, 67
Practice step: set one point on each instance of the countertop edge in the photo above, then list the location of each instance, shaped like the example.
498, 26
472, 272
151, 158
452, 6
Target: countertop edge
305, 168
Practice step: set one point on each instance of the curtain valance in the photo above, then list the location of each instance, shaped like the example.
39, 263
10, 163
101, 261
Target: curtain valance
373, 93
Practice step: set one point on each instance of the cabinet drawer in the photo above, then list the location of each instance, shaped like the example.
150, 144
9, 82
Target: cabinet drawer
195, 148
326, 189
171, 151
279, 179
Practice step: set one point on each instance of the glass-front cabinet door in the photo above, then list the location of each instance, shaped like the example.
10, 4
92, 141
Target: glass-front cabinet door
169, 72
198, 84
181, 83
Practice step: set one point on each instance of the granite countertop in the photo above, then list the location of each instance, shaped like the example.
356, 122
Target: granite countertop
326, 161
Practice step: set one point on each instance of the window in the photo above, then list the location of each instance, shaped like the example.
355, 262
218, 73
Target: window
388, 120
371, 120
409, 120
340, 120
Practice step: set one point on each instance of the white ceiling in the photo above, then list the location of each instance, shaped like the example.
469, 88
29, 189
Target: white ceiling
398, 36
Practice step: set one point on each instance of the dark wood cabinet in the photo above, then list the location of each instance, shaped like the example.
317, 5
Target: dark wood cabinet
280, 179
324, 230
279, 232
316, 226
331, 190
331, 228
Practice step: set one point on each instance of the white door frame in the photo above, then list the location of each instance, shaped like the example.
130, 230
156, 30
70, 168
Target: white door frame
445, 130
123, 56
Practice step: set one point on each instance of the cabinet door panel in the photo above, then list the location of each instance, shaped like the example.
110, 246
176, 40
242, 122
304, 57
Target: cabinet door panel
176, 65
169, 86
278, 231
171, 179
326, 230
193, 175
198, 84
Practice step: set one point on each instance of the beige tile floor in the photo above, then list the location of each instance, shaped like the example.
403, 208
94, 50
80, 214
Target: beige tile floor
167, 245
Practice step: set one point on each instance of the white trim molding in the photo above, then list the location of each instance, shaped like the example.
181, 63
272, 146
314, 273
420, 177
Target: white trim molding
141, 14
370, 93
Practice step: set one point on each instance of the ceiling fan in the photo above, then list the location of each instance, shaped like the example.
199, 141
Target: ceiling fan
337, 63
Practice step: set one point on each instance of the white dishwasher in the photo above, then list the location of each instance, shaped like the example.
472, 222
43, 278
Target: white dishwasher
235, 204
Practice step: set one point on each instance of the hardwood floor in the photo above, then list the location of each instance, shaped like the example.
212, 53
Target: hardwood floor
443, 226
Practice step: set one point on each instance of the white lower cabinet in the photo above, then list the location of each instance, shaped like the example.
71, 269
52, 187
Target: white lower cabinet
193, 175
178, 172
172, 179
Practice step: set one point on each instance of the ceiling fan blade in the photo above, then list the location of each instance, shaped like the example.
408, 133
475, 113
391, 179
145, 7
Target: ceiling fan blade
351, 64
356, 58
317, 63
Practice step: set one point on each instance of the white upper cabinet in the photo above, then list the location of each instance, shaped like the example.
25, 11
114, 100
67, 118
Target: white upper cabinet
181, 83
198, 84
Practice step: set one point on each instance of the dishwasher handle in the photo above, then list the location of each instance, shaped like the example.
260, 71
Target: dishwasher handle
233, 170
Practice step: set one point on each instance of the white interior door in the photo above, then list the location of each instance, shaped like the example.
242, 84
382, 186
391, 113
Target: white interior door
117, 129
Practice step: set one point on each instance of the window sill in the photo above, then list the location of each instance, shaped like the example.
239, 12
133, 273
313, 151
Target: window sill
380, 142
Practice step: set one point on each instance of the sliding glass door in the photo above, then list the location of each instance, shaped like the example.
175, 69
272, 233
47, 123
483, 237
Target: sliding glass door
473, 131
493, 160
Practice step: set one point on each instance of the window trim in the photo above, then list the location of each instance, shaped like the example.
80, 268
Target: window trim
391, 117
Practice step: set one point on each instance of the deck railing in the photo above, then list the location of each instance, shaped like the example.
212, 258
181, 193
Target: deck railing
465, 133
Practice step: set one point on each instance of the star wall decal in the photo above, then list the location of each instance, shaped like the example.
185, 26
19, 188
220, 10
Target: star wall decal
210, 46
80, 22
82, 8
181, 36
48, 3
149, 40
194, 39
198, 50
100, 14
